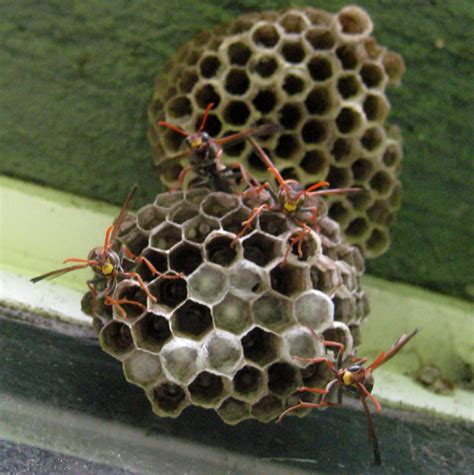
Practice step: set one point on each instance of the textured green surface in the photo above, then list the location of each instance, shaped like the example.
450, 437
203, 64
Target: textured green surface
77, 75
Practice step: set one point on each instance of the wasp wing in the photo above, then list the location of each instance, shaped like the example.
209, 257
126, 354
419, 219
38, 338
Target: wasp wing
265, 129
58, 272
396, 347
122, 214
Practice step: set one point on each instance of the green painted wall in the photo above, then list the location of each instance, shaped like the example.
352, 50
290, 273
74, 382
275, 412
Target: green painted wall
76, 77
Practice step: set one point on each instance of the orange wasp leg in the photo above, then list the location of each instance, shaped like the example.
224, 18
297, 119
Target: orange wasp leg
138, 278
150, 266
365, 393
248, 222
118, 304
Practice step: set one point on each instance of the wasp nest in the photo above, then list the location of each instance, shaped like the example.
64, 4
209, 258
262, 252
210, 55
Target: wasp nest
323, 78
225, 333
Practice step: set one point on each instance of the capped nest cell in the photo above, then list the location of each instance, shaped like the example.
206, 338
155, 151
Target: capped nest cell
322, 77
224, 334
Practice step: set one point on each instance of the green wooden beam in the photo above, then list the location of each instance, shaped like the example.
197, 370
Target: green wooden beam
77, 77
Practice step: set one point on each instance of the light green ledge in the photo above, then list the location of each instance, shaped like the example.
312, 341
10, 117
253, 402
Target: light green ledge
41, 227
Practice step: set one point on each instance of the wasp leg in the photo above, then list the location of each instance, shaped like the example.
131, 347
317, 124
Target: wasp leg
137, 277
248, 222
372, 434
118, 304
301, 405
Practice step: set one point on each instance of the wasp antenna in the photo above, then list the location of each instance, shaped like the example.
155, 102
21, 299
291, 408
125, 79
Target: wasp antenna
316, 186
173, 128
57, 272
82, 261
205, 116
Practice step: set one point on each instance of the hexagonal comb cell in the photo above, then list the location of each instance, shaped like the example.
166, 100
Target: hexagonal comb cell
233, 222
168, 399
192, 320
288, 279
130, 293
209, 66
166, 200
340, 333
198, 229
149, 217
232, 314
261, 249
248, 383
293, 84
325, 279
239, 53
207, 389
344, 306
302, 343
116, 339
142, 368
151, 332
166, 236
320, 68
319, 100
208, 283
260, 346
224, 352
180, 360
272, 312
274, 224
237, 81
282, 378
185, 258
233, 411
314, 309
169, 292
237, 113
320, 39
219, 204
136, 241
265, 101
354, 22
182, 213
268, 408
220, 250
157, 259
266, 35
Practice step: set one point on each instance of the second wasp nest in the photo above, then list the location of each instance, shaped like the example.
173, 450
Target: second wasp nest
225, 333
322, 77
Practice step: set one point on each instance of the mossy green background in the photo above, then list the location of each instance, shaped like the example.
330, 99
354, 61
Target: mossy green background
76, 77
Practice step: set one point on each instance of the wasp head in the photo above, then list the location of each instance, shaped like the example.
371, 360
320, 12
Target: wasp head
104, 264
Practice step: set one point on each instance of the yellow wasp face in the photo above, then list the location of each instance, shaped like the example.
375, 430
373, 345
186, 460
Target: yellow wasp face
348, 378
197, 142
290, 206
107, 268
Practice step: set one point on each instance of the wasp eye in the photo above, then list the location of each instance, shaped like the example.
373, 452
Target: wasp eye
204, 136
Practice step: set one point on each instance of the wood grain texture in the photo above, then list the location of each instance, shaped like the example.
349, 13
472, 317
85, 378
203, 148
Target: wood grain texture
77, 76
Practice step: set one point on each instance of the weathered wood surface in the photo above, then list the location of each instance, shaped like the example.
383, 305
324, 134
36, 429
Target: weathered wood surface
76, 78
